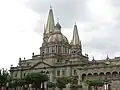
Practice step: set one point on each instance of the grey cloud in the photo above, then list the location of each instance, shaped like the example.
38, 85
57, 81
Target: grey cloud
108, 45
68, 11
115, 3
39, 27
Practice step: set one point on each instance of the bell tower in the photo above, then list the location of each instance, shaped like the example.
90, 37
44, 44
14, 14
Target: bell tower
76, 47
49, 28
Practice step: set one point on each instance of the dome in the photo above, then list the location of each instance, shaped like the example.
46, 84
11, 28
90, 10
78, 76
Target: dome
57, 37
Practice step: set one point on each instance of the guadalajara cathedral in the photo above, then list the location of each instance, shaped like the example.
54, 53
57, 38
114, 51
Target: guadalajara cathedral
58, 58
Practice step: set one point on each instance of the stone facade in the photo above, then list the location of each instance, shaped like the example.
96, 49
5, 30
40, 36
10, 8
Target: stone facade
59, 58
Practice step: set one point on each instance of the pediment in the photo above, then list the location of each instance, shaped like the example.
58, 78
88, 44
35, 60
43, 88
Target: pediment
41, 65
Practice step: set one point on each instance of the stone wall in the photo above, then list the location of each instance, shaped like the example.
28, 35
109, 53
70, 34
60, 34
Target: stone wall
115, 85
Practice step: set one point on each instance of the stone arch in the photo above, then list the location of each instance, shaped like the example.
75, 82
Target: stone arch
108, 75
95, 75
119, 74
83, 77
114, 74
89, 76
101, 75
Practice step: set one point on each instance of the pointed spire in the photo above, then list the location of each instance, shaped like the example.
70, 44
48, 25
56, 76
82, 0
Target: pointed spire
75, 39
44, 27
107, 57
57, 20
50, 22
93, 59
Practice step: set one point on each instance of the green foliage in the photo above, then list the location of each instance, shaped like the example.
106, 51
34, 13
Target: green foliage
62, 81
95, 82
76, 86
21, 82
51, 85
36, 79
4, 77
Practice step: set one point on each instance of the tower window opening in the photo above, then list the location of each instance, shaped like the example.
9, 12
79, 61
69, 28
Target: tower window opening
65, 50
56, 48
58, 73
58, 61
75, 72
16, 75
74, 51
63, 72
24, 74
47, 50
59, 49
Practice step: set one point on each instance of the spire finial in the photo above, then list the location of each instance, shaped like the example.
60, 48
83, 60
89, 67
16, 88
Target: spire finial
57, 19
75, 23
93, 59
50, 6
107, 57
58, 26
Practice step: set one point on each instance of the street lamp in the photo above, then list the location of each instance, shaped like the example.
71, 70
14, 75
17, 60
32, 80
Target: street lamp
107, 84
7, 85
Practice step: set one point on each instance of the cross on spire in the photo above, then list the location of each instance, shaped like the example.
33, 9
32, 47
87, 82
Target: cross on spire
50, 6
75, 23
57, 19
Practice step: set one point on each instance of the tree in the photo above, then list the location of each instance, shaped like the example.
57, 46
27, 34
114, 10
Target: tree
51, 85
95, 83
4, 77
62, 81
14, 83
75, 86
36, 79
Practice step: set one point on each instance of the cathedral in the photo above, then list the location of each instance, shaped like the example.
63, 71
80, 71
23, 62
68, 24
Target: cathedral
58, 58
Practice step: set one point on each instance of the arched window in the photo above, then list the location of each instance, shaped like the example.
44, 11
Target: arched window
65, 50
15, 74
108, 75
101, 76
58, 72
95, 75
56, 49
59, 49
75, 72
58, 61
83, 77
24, 74
89, 76
115, 74
47, 50
63, 72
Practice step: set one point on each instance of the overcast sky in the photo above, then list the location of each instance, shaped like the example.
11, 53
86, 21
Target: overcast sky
22, 22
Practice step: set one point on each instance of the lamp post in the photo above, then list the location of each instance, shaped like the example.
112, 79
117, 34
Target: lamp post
107, 84
7, 85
